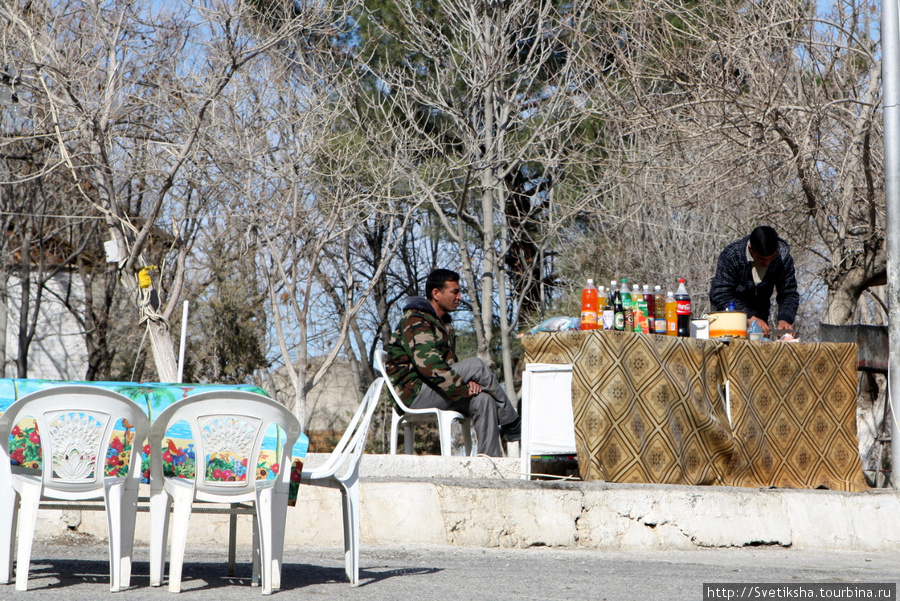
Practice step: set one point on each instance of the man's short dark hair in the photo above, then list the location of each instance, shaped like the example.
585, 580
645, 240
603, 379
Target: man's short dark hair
437, 279
764, 241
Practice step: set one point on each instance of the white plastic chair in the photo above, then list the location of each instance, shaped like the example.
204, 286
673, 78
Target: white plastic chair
75, 424
408, 418
341, 471
232, 423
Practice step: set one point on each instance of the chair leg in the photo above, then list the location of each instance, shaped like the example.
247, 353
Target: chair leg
466, 426
279, 519
445, 432
254, 573
113, 494
28, 508
183, 499
395, 425
129, 517
409, 433
9, 510
160, 506
232, 541
350, 506
264, 524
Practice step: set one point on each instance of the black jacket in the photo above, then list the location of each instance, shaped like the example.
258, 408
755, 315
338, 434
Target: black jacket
733, 283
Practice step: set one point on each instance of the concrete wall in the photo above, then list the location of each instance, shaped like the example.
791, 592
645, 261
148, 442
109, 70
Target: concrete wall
510, 512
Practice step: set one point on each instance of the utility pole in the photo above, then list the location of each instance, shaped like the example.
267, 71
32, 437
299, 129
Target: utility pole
890, 80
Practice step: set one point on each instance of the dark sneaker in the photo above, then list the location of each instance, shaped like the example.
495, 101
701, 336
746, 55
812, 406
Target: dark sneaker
512, 432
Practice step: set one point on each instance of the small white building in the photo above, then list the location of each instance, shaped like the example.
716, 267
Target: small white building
330, 405
58, 350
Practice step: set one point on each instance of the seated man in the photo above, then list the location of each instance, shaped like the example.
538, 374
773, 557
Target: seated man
421, 362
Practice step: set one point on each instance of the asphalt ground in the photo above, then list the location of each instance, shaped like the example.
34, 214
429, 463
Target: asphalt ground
75, 568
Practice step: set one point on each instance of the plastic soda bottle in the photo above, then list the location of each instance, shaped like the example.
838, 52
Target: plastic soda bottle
671, 315
589, 306
659, 311
651, 306
627, 305
639, 308
683, 309
608, 317
625, 293
619, 312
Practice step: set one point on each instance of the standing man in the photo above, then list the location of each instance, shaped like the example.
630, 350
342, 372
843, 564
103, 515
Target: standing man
421, 362
748, 271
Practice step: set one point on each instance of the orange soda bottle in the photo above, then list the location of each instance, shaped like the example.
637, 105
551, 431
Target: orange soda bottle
671, 314
589, 306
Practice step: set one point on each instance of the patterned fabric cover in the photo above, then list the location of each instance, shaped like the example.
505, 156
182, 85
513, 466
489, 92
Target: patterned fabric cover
652, 409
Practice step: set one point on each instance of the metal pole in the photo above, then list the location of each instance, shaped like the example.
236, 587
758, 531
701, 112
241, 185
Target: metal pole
184, 318
890, 78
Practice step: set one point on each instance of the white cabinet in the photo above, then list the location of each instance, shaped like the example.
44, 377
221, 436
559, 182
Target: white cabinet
548, 426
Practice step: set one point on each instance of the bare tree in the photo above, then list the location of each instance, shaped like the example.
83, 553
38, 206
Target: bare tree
302, 181
121, 93
767, 110
489, 99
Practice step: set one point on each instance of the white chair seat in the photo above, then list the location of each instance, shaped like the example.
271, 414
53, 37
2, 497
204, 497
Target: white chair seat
232, 423
407, 417
75, 424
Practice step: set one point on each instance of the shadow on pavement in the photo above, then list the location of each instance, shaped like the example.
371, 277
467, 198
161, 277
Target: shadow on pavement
58, 574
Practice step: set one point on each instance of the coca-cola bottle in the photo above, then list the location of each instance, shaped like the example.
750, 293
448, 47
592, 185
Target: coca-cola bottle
683, 309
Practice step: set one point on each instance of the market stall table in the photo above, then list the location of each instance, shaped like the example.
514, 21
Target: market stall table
651, 408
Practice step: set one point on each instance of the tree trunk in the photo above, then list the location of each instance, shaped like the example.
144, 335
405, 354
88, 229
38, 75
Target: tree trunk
488, 192
4, 319
854, 273
163, 351
23, 338
163, 348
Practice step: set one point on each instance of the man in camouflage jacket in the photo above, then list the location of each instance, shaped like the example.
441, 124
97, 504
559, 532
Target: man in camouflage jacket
422, 365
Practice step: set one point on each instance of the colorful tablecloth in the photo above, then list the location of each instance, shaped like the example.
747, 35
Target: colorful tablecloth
652, 409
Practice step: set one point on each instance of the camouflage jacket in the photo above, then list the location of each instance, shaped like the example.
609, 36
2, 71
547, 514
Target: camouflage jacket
422, 349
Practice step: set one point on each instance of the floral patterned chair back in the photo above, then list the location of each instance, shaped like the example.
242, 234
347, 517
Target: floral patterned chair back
227, 430
72, 443
74, 435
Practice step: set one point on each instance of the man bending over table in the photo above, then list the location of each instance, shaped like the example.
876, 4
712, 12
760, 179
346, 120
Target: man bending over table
421, 362
748, 271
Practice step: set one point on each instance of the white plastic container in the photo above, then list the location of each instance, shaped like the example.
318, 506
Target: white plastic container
700, 329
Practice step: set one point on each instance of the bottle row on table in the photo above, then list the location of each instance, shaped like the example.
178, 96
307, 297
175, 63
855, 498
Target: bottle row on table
636, 309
